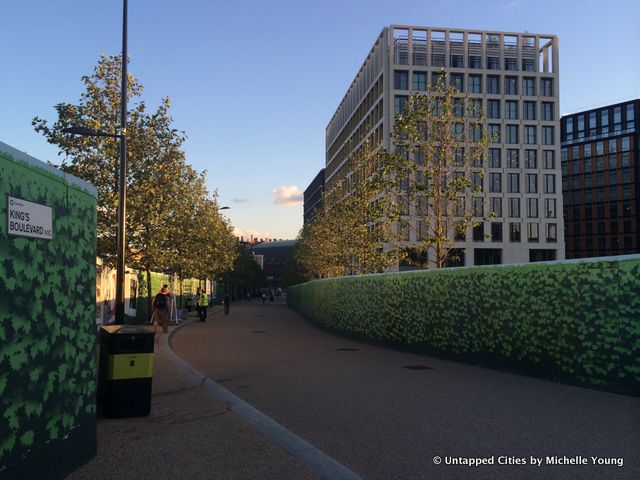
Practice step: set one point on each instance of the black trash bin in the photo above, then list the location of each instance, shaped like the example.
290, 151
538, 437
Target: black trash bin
126, 370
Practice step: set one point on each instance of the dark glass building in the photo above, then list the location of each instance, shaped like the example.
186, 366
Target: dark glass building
313, 196
275, 257
600, 180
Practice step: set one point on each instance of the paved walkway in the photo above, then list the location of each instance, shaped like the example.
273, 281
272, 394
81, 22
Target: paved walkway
345, 409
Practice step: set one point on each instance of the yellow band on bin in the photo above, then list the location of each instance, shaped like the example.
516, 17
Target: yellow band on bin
130, 365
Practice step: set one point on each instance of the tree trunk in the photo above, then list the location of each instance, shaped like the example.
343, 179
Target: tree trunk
149, 295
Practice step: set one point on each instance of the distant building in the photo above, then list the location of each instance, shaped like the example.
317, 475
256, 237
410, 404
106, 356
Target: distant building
275, 257
601, 180
313, 196
514, 76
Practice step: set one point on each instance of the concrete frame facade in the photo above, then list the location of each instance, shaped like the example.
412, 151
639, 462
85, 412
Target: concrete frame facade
529, 63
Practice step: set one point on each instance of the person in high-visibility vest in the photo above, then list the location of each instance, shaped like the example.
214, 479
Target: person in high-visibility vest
203, 305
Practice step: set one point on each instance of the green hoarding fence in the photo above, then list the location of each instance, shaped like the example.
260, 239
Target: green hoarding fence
572, 321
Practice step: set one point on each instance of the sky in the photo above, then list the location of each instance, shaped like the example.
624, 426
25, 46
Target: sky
254, 83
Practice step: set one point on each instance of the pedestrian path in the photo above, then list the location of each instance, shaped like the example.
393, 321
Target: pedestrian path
189, 434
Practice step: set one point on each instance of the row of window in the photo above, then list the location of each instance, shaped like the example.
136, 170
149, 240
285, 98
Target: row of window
513, 158
512, 134
579, 197
599, 122
624, 210
613, 227
579, 181
493, 84
514, 110
457, 60
495, 205
495, 233
588, 150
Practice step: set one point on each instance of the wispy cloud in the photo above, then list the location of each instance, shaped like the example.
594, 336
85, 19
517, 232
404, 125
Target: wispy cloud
517, 3
240, 200
289, 196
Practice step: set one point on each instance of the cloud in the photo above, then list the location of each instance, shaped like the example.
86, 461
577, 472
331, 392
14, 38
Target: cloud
240, 200
248, 233
289, 196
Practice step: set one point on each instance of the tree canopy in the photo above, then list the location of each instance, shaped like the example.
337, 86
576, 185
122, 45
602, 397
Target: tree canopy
172, 220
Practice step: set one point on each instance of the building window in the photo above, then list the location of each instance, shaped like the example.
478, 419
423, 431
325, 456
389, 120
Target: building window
496, 231
542, 255
550, 208
495, 182
478, 232
401, 80
493, 63
475, 61
630, 115
511, 110
547, 136
511, 85
457, 81
533, 232
400, 104
547, 110
514, 183
528, 86
419, 81
493, 108
552, 233
550, 183
456, 60
569, 128
512, 134
531, 159
477, 181
513, 158
510, 63
604, 121
514, 232
531, 183
494, 158
493, 131
475, 83
546, 87
530, 135
496, 206
549, 159
493, 84
592, 123
514, 207
528, 65
487, 256
529, 110
532, 208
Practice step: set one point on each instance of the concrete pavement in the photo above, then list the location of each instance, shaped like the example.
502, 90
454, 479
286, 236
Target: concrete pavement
189, 435
346, 409
361, 406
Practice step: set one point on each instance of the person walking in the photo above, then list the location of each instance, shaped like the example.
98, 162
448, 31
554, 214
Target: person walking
203, 302
161, 306
226, 300
264, 298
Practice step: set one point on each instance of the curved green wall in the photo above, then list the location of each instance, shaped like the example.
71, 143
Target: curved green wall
47, 325
574, 321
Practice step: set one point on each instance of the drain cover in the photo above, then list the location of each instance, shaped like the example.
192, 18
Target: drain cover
347, 349
418, 367
259, 331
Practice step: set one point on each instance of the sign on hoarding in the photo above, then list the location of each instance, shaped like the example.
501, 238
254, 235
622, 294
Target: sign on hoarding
28, 219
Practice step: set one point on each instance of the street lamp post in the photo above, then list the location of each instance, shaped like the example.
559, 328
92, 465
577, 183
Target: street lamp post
122, 180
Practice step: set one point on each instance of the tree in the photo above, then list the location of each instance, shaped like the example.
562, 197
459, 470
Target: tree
356, 232
443, 133
170, 221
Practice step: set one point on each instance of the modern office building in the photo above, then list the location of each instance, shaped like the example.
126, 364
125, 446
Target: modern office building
600, 180
275, 257
313, 196
514, 76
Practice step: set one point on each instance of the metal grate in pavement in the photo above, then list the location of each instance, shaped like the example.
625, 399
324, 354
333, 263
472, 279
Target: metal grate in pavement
417, 367
347, 349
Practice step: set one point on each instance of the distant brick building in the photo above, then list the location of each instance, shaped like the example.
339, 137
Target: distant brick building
275, 257
600, 180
